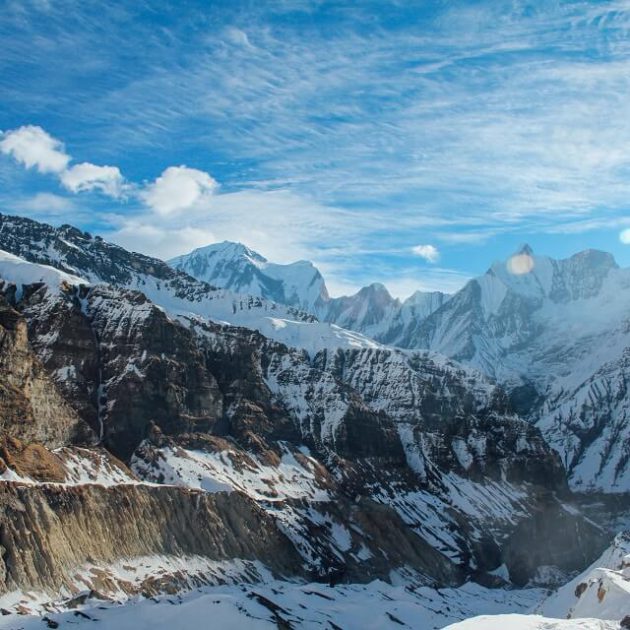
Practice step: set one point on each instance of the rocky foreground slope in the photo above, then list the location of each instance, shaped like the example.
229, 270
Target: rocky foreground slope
146, 429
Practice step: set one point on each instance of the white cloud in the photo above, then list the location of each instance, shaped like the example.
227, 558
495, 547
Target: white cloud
429, 252
86, 177
624, 236
178, 188
32, 146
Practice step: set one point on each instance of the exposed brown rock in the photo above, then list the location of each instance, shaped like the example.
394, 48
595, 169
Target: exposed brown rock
31, 408
48, 532
32, 460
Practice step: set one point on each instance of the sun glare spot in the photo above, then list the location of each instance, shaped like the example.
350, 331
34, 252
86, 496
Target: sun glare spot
520, 264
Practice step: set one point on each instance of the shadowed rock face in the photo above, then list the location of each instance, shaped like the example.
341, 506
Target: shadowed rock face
551, 531
47, 532
123, 364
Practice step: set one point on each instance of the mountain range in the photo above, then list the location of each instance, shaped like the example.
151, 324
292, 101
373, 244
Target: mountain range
371, 311
556, 337
221, 420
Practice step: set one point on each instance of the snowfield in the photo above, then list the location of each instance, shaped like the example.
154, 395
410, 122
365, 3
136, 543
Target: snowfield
531, 622
276, 604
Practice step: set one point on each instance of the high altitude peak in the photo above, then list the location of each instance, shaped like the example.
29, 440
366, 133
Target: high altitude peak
375, 288
594, 258
524, 250
232, 249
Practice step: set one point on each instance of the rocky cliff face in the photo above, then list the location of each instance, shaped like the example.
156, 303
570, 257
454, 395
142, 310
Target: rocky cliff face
31, 407
359, 462
49, 533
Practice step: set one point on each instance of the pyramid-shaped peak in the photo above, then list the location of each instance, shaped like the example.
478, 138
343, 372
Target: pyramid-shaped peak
376, 288
231, 249
524, 250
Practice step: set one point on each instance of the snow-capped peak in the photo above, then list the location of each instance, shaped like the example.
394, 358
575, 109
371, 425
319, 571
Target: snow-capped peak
541, 277
226, 250
236, 267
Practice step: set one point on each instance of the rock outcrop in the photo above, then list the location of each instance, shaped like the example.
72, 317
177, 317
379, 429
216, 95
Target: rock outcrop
48, 533
31, 407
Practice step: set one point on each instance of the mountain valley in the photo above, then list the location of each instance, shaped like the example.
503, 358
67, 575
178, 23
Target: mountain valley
219, 429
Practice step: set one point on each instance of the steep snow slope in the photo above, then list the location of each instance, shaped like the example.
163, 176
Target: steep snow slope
20, 272
504, 322
602, 590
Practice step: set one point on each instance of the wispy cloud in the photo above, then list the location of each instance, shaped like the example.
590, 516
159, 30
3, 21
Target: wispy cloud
498, 111
345, 133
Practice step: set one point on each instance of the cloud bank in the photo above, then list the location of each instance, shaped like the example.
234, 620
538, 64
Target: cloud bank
33, 147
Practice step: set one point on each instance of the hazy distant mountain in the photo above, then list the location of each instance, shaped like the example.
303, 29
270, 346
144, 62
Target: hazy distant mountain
557, 335
553, 332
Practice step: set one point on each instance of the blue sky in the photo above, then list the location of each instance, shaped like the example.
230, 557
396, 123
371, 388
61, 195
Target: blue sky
410, 143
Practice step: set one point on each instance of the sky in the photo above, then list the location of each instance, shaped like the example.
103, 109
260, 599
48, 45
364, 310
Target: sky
402, 142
